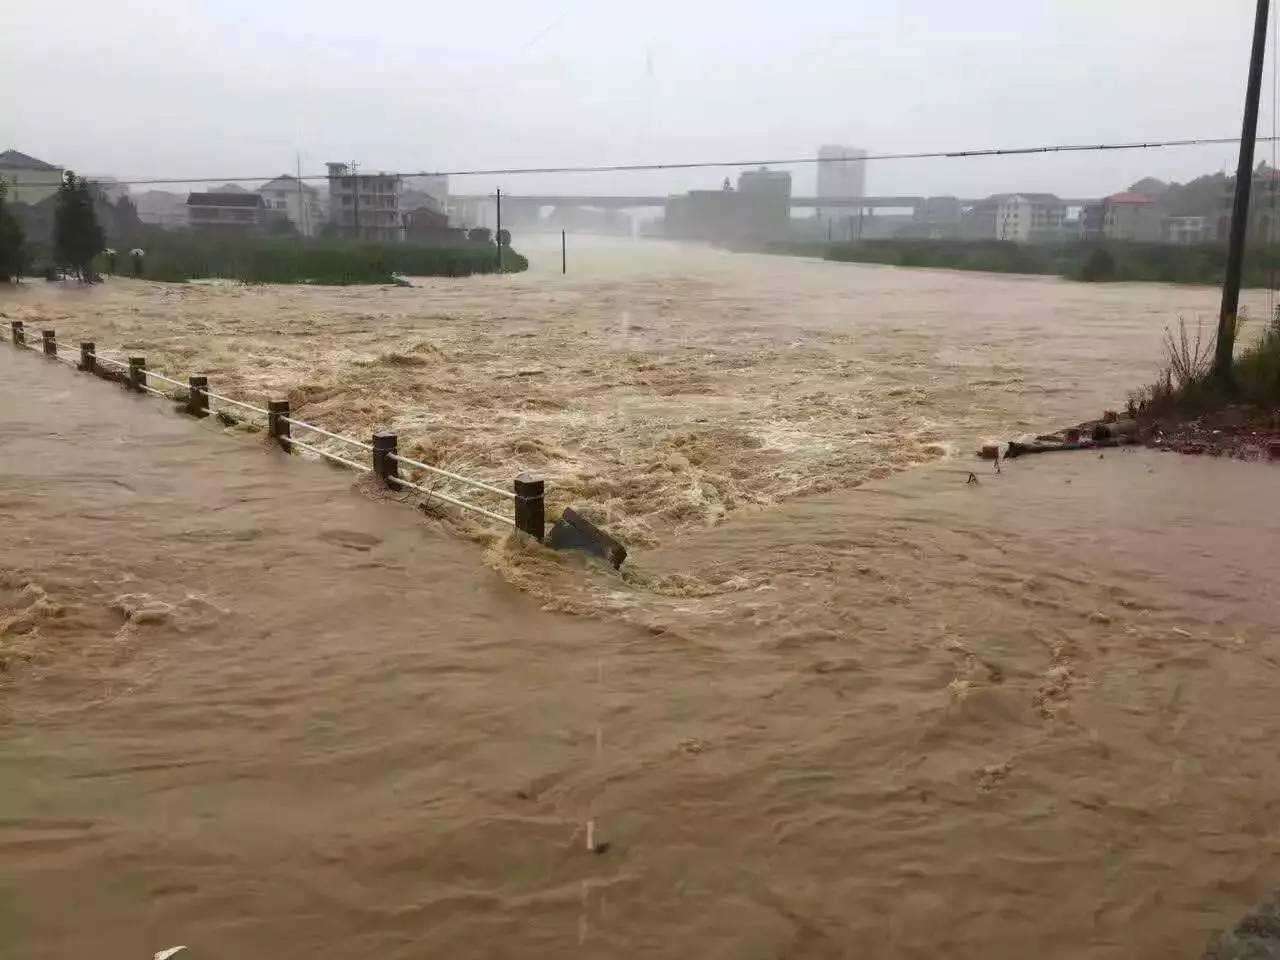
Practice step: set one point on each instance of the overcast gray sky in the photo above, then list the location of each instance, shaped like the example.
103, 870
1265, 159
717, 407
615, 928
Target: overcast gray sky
235, 87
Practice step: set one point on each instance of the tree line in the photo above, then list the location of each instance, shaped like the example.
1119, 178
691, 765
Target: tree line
78, 237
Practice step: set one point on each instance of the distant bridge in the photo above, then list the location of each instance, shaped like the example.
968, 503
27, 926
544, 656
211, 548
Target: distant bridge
638, 201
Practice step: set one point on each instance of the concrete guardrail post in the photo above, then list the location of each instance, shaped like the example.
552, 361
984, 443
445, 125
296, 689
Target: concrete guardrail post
277, 425
49, 340
88, 357
384, 446
137, 373
19, 335
198, 395
530, 505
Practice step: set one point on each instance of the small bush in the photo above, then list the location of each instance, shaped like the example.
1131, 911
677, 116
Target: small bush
1099, 267
1188, 360
1257, 369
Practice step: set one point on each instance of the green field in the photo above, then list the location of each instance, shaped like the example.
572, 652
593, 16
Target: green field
191, 256
1077, 260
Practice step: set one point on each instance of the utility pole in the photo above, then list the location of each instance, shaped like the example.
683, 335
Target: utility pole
564, 254
302, 207
355, 183
498, 236
1223, 355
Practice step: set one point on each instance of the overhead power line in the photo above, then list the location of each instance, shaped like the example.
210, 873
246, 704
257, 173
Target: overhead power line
709, 164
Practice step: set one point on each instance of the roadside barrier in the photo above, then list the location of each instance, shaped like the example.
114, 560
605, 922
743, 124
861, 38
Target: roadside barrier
385, 461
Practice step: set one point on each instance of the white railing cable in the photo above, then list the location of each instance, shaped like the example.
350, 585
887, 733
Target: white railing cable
326, 454
55, 355
479, 484
161, 376
236, 403
447, 499
101, 359
325, 433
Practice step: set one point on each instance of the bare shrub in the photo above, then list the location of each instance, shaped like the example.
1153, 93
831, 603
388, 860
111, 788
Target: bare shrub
1187, 359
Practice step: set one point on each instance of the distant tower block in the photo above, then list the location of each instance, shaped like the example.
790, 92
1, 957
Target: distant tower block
842, 173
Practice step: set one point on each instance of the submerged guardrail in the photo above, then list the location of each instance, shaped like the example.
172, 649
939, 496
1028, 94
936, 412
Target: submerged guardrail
528, 492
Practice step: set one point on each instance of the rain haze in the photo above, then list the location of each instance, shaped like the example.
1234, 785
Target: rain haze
237, 88
771, 553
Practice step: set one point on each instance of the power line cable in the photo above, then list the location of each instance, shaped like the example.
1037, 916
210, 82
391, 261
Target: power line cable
711, 164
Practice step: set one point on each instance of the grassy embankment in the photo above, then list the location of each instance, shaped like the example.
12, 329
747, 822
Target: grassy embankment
1077, 260
1186, 387
189, 256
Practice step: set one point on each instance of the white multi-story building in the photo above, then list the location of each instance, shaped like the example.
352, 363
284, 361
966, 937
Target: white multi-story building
1188, 230
27, 179
842, 173
297, 202
365, 206
1021, 217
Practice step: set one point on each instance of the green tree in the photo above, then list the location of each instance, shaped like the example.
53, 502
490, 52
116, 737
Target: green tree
77, 235
12, 240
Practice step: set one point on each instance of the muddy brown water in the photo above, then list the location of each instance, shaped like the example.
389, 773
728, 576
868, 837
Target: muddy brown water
259, 709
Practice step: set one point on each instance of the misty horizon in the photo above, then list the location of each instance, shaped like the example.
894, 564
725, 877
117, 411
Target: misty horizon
240, 92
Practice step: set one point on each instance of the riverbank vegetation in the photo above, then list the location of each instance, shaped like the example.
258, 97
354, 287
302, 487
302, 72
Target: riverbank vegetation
1092, 261
12, 240
1190, 410
1186, 385
179, 256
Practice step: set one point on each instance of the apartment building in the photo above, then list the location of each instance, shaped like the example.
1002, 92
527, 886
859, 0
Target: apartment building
1022, 217
365, 206
226, 212
1131, 216
299, 203
28, 180
1187, 230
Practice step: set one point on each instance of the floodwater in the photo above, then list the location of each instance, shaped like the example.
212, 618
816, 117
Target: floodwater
835, 708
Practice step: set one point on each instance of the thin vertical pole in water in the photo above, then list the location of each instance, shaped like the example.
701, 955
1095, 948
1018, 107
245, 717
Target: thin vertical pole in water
1224, 353
50, 342
564, 253
88, 357
19, 334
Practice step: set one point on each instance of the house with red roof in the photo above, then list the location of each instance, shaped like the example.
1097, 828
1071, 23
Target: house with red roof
1132, 216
